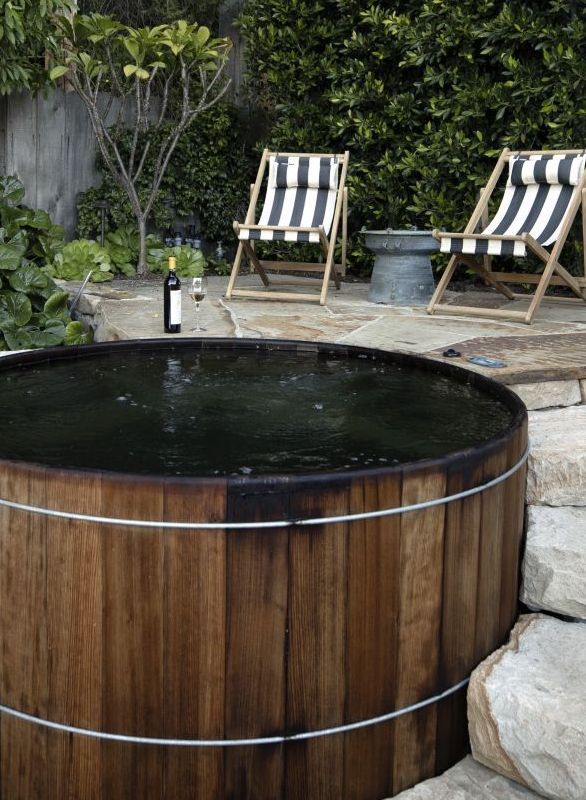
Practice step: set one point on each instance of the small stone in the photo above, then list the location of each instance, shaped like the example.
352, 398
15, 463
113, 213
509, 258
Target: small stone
583, 390
554, 565
549, 394
468, 780
527, 708
557, 460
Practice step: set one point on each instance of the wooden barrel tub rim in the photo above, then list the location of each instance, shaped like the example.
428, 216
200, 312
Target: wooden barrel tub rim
459, 374
472, 455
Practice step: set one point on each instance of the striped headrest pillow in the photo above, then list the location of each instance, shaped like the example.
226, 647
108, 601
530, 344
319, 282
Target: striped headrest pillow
524, 171
309, 172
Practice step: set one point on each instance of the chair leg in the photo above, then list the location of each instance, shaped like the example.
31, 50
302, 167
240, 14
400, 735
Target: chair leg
327, 274
550, 268
345, 230
254, 259
235, 271
442, 285
584, 227
327, 247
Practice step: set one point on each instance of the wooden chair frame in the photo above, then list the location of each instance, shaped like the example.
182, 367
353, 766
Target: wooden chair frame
553, 273
329, 268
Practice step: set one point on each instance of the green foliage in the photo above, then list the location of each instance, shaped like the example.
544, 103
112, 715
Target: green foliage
33, 311
143, 13
119, 213
31, 233
190, 263
423, 94
221, 267
26, 28
178, 63
80, 257
122, 246
211, 171
100, 47
209, 174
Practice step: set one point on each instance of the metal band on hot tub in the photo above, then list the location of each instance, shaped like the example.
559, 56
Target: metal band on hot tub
224, 526
294, 737
256, 525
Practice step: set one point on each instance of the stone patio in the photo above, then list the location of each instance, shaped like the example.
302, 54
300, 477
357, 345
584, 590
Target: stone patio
553, 348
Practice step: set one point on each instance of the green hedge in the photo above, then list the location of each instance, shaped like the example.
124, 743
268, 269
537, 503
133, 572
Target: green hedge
423, 95
25, 30
146, 13
209, 174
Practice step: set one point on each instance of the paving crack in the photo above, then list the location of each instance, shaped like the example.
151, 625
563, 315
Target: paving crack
233, 318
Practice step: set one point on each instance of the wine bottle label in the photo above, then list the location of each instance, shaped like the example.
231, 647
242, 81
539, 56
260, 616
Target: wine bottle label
175, 308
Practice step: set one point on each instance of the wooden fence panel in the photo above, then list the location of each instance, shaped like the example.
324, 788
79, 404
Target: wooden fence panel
49, 144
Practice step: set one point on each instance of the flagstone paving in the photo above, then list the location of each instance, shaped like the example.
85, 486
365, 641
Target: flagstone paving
552, 348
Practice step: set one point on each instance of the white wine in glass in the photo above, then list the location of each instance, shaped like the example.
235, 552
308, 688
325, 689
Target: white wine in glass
198, 289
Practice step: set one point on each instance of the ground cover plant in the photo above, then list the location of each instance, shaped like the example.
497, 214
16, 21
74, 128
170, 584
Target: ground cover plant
33, 310
423, 94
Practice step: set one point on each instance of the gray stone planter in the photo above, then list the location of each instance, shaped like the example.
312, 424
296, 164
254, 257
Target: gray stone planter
402, 273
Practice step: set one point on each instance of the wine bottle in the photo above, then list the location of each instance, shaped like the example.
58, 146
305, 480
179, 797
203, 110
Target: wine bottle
172, 299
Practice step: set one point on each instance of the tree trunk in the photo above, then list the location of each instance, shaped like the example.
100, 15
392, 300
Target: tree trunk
141, 267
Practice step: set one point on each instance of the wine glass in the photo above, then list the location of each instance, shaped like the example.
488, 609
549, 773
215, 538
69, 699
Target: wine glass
198, 288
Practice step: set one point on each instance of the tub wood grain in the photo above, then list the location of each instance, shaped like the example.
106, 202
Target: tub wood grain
225, 634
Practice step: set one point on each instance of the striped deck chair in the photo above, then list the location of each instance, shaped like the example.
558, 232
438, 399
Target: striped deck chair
542, 196
305, 198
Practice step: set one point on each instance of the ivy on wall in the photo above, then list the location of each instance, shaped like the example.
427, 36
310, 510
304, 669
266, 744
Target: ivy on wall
423, 94
25, 30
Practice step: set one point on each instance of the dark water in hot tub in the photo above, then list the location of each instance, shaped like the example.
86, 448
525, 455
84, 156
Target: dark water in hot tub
223, 412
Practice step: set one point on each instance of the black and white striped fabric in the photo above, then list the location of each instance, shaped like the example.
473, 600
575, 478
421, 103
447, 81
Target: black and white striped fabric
538, 193
301, 192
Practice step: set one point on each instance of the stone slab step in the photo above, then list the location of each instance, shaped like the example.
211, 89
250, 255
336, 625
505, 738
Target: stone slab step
557, 460
468, 780
527, 707
548, 394
554, 565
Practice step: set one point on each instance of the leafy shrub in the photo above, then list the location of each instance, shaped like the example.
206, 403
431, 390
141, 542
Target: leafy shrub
208, 174
423, 94
43, 239
190, 263
141, 13
80, 257
118, 214
25, 31
122, 246
33, 311
221, 267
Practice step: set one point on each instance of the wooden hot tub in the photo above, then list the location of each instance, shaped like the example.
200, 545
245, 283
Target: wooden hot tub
211, 637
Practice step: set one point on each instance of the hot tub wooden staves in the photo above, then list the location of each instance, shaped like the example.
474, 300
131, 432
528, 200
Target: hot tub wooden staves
244, 634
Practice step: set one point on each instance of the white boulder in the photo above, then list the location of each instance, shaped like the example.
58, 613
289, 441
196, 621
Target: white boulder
549, 394
527, 708
554, 565
556, 473
468, 780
